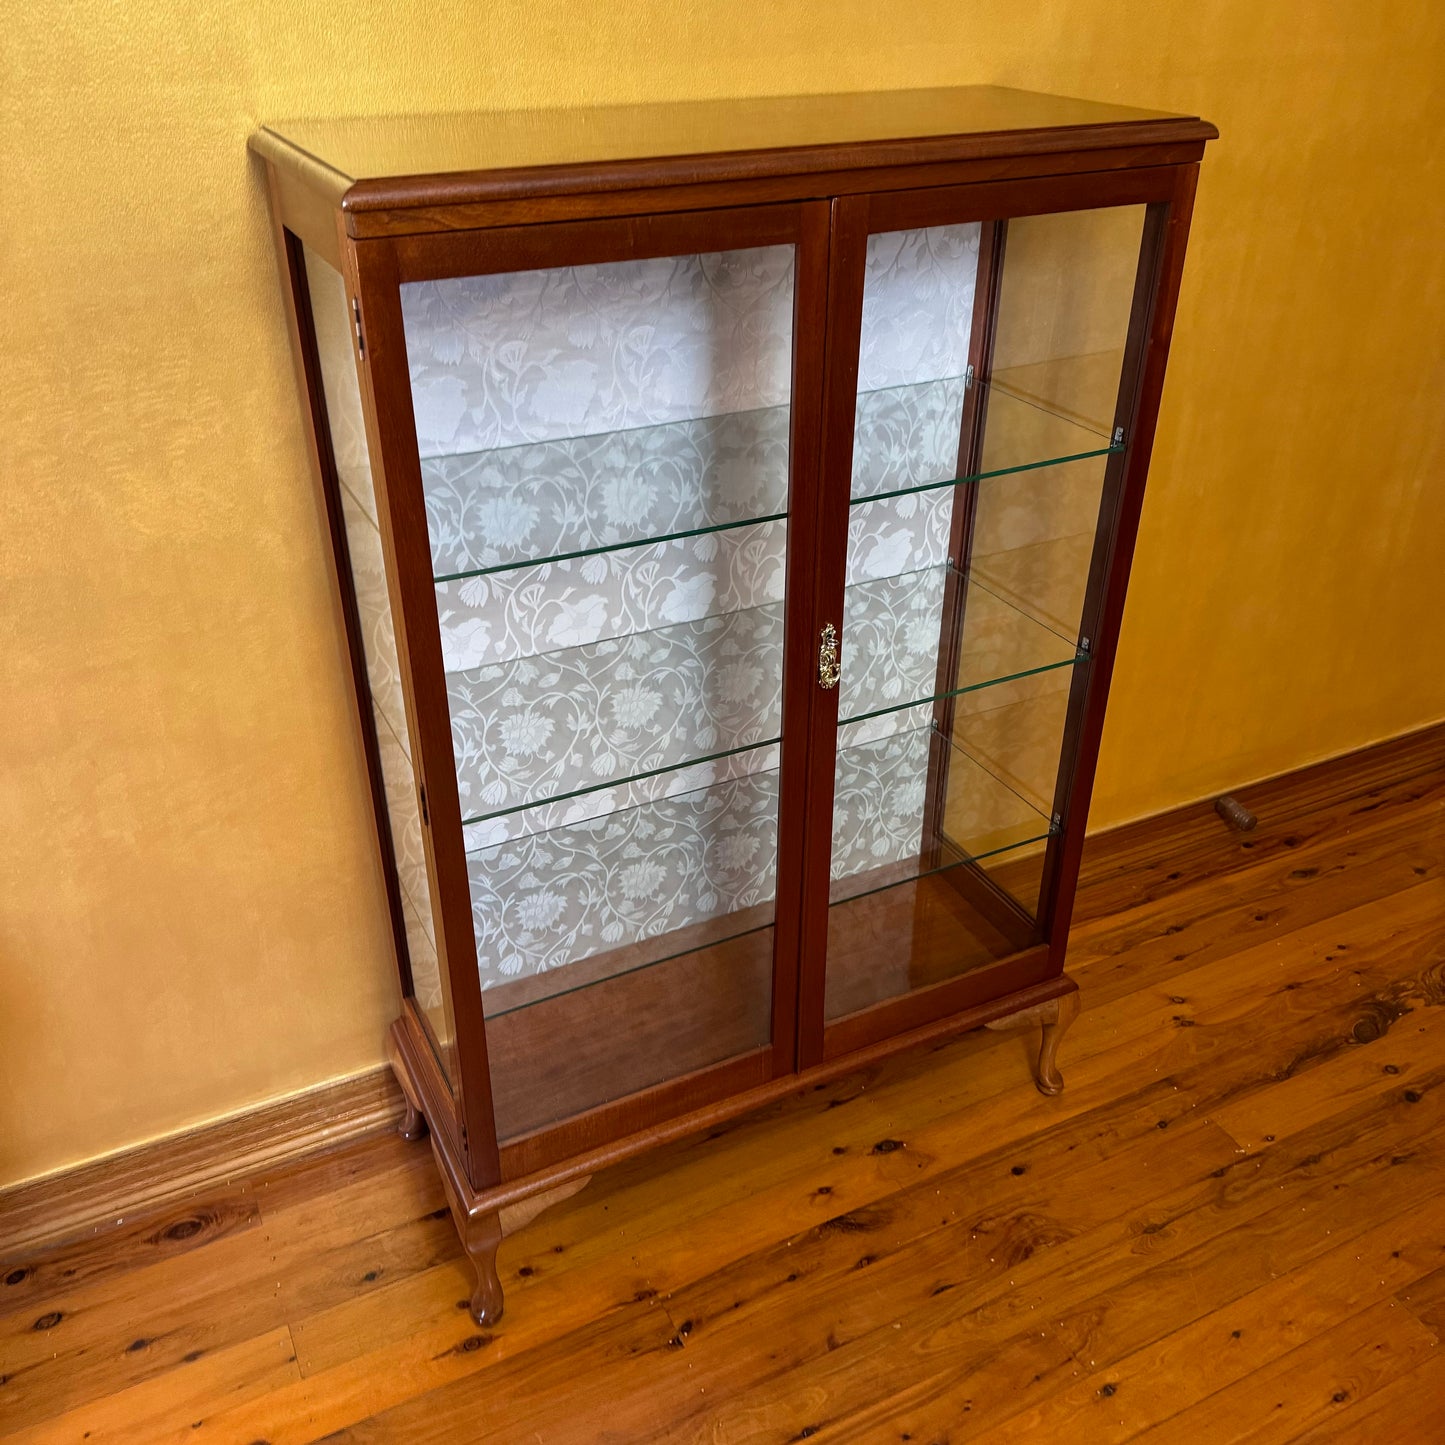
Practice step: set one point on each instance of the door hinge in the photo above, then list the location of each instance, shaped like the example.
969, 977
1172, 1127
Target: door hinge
425, 815
356, 322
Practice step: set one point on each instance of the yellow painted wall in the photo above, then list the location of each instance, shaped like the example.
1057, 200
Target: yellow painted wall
189, 914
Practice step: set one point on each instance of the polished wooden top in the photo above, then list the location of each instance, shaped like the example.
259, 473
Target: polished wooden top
379, 162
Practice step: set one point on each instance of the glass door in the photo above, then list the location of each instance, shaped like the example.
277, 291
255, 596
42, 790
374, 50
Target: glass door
990, 357
607, 449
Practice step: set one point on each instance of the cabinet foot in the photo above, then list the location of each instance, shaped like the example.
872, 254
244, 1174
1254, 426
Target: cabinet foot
481, 1228
483, 1232
413, 1124
480, 1239
1056, 1015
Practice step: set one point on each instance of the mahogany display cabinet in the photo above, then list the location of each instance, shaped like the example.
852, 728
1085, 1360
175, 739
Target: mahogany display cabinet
732, 506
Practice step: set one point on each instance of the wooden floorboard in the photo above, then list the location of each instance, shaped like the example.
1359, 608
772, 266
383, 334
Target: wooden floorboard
1230, 1226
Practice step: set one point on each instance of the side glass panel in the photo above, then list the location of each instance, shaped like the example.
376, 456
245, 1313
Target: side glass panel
604, 452
332, 319
1065, 295
990, 364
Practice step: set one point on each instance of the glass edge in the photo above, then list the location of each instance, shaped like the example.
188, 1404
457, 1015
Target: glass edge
489, 571
947, 867
1078, 657
622, 783
783, 407
1110, 450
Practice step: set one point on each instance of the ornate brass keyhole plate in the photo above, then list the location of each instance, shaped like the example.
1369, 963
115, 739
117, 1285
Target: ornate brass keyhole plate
828, 668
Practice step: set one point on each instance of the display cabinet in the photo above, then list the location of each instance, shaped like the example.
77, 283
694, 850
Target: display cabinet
732, 507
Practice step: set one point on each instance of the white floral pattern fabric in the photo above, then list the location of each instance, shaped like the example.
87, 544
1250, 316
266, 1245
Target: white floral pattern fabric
602, 407
555, 898
907, 436
913, 355
878, 792
567, 495
530, 610
917, 306
373, 606
583, 408
486, 831
586, 717
579, 350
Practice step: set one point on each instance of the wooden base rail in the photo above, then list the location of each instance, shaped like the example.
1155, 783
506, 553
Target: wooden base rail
485, 1217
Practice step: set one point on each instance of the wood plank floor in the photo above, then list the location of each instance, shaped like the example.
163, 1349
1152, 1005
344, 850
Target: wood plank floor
1230, 1226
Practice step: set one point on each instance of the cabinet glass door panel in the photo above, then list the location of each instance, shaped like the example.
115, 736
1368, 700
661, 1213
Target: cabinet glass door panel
605, 459
1065, 296
989, 368
331, 318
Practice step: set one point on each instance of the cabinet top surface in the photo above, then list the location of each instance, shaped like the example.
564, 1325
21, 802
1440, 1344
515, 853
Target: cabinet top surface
364, 161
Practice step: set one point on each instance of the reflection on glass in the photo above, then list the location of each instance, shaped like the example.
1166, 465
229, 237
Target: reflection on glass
604, 454
331, 316
953, 711
562, 1054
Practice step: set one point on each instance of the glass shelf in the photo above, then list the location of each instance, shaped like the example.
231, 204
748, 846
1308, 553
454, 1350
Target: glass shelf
758, 419
625, 882
890, 643
879, 804
554, 501
584, 720
588, 902
661, 771
603, 548
921, 425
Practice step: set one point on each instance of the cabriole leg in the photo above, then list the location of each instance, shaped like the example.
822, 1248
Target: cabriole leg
413, 1124
1055, 1016
1065, 1011
480, 1239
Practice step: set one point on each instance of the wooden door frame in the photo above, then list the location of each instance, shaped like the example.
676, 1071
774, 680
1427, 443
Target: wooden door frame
1166, 192
974, 883
372, 283
380, 267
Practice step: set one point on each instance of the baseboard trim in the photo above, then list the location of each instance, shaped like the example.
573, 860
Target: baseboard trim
61, 1208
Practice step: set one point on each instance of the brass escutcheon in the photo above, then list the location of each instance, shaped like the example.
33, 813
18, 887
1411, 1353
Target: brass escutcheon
828, 669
